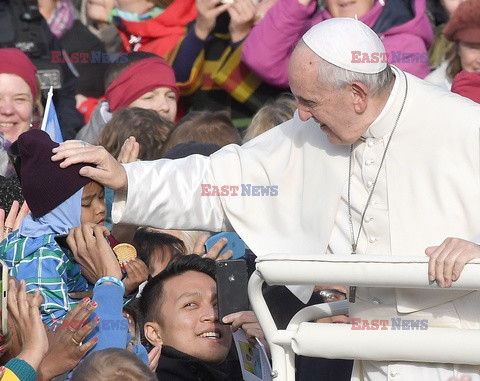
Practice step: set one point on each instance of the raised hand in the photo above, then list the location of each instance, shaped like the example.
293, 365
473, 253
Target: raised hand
14, 218
66, 346
25, 312
208, 11
137, 273
129, 151
199, 248
93, 252
242, 15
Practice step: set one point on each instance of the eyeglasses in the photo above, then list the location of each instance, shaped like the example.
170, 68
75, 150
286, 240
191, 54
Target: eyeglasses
332, 295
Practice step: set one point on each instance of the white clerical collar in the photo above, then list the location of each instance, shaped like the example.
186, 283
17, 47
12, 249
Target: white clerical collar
377, 130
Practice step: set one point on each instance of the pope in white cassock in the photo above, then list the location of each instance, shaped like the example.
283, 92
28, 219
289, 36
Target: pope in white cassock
375, 161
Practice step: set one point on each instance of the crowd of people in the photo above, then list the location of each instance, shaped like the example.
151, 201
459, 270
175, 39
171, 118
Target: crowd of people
314, 104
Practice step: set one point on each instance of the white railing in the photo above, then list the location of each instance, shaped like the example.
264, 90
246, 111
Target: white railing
339, 341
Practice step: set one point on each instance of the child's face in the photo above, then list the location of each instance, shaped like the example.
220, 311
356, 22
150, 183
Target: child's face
93, 205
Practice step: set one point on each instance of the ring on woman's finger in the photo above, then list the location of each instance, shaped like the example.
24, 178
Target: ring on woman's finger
72, 329
7, 229
204, 255
84, 144
76, 342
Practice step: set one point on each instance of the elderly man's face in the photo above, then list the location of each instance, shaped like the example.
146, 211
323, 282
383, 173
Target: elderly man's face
332, 109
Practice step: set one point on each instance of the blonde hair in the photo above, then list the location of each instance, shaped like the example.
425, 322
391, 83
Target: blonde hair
454, 63
113, 364
272, 114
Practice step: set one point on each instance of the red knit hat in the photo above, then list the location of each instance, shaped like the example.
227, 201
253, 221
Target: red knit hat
464, 25
467, 84
140, 78
14, 61
44, 184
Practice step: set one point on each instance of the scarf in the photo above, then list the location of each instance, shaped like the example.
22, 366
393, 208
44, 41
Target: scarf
58, 221
62, 18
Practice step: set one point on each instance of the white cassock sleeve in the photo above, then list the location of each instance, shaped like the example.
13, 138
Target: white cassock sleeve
168, 194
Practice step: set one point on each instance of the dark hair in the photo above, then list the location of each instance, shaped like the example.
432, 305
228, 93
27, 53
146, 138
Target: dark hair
113, 364
147, 126
147, 240
204, 127
116, 68
152, 295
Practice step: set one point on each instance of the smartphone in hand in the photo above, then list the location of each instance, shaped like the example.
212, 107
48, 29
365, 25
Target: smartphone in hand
234, 243
232, 283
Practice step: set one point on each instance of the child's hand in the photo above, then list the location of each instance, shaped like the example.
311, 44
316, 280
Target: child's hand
137, 273
25, 312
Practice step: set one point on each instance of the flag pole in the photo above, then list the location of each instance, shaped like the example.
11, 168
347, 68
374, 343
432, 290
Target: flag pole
47, 108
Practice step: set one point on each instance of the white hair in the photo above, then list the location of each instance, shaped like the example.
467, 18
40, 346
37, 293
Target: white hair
340, 78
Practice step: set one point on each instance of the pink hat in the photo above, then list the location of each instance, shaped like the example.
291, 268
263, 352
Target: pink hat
140, 78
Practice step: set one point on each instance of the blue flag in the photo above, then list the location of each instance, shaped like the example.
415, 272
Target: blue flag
50, 121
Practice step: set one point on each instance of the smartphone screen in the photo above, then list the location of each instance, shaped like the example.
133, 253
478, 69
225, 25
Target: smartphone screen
3, 291
232, 283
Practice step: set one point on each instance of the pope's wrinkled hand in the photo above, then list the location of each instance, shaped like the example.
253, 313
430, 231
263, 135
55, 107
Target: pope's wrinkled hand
105, 168
448, 260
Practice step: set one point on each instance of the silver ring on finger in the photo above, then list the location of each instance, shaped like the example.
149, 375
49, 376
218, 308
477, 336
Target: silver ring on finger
84, 144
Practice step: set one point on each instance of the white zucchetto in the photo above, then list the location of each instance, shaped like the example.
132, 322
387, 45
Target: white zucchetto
347, 43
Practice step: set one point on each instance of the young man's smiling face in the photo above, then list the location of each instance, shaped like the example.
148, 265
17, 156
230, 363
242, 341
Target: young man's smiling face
188, 318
